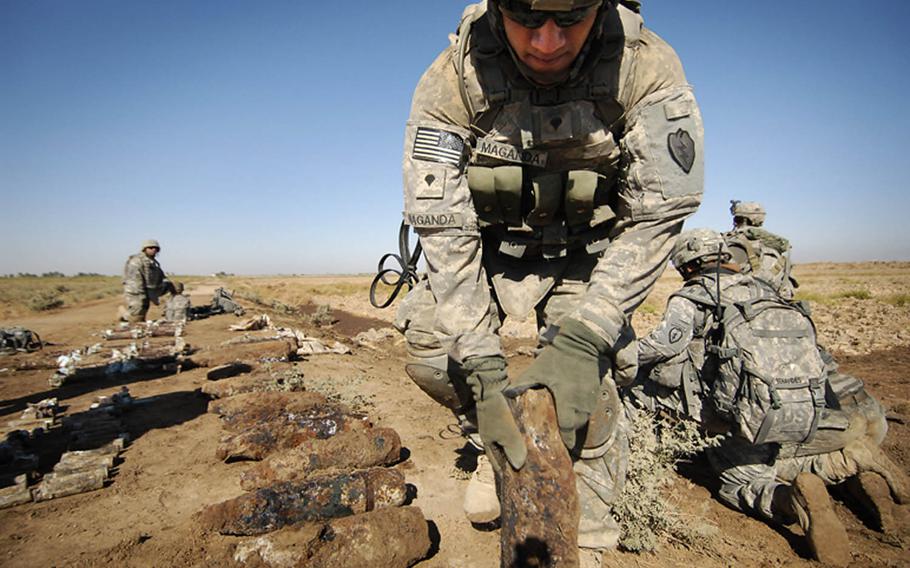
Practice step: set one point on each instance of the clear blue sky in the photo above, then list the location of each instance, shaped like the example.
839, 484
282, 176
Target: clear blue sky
265, 137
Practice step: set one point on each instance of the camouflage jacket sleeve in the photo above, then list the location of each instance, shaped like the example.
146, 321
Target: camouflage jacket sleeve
661, 183
437, 203
133, 276
671, 336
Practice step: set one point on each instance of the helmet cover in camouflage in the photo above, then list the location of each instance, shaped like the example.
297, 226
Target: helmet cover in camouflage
698, 244
750, 210
550, 5
150, 243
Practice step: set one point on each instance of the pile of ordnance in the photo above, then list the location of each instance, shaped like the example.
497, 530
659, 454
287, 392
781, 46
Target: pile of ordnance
149, 346
93, 441
322, 492
324, 489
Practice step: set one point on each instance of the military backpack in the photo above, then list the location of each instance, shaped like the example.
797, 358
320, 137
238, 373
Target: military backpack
763, 372
18, 340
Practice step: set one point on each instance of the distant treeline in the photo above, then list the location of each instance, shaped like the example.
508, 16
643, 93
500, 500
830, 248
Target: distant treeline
54, 274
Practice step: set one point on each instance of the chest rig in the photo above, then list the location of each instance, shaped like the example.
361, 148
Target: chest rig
542, 173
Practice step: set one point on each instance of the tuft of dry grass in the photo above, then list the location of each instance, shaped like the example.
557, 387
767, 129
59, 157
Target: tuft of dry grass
647, 510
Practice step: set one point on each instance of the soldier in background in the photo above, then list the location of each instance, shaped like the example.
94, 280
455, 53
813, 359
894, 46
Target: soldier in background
552, 153
759, 251
143, 282
836, 440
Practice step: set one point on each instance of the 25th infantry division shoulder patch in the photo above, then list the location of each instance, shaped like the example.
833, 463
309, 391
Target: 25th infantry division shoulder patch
682, 149
435, 145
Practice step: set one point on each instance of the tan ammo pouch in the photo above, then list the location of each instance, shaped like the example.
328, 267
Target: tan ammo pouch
546, 195
581, 200
496, 193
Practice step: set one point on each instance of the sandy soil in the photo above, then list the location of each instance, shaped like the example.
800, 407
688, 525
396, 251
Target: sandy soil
145, 517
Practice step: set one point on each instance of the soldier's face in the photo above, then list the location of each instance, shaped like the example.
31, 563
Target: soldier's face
548, 50
151, 251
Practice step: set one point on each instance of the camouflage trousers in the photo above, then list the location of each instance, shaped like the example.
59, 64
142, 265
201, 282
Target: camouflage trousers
601, 470
751, 476
137, 307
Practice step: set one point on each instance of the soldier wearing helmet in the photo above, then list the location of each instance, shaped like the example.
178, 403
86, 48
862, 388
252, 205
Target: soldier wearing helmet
759, 251
143, 281
681, 365
552, 153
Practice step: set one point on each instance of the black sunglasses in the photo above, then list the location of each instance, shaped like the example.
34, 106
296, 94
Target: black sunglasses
535, 18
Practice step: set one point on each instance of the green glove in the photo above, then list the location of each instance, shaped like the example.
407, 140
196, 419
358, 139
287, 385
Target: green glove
495, 422
569, 368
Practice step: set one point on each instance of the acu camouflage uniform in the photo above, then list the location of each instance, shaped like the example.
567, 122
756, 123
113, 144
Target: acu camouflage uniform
177, 308
755, 478
143, 283
564, 201
758, 251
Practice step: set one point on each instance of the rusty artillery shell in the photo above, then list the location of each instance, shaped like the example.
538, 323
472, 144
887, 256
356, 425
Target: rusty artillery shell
289, 502
392, 538
281, 350
15, 494
242, 411
62, 484
289, 430
356, 449
540, 508
257, 381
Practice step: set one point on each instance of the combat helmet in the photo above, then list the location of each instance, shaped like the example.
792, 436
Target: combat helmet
568, 11
751, 211
149, 243
700, 245
548, 5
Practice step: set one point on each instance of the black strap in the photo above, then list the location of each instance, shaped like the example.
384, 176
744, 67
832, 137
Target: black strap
406, 274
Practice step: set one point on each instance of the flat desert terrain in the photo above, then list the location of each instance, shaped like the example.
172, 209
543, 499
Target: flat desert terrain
147, 512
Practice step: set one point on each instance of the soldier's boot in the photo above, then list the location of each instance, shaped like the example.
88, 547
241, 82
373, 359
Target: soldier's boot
871, 458
481, 503
597, 529
825, 534
870, 491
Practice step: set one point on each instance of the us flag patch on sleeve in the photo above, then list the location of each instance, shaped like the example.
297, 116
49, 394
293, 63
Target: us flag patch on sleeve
435, 145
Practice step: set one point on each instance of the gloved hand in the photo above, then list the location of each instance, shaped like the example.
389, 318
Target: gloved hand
487, 378
625, 359
569, 368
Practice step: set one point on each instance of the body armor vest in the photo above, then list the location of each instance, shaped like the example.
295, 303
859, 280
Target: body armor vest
543, 171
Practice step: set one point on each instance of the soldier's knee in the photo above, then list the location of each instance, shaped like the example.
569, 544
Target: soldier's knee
438, 377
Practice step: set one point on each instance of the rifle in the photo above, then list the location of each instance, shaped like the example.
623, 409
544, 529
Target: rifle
406, 274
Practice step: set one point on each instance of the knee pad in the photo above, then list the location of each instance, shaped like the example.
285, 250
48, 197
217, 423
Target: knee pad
604, 422
433, 376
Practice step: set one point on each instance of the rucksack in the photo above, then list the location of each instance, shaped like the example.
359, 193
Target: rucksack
223, 303
19, 339
763, 371
765, 255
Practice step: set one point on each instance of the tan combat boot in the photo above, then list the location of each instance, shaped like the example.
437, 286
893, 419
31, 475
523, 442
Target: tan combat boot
871, 492
826, 535
481, 503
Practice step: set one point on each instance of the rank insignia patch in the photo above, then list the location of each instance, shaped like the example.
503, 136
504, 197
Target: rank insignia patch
682, 149
435, 145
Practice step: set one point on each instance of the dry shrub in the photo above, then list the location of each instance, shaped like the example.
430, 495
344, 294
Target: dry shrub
646, 510
45, 300
855, 294
899, 300
289, 380
322, 316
